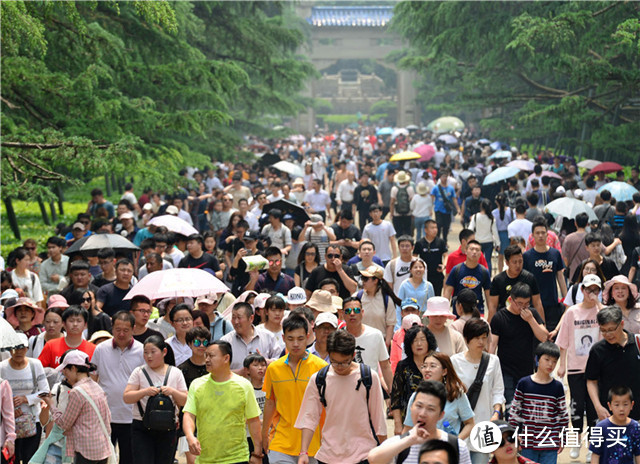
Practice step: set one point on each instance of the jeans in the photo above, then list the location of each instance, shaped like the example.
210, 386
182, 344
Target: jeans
80, 459
541, 456
487, 251
402, 224
580, 401
419, 225
152, 447
444, 223
510, 383
121, 435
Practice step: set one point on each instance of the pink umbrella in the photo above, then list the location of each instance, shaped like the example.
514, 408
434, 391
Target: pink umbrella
548, 174
425, 151
523, 165
172, 283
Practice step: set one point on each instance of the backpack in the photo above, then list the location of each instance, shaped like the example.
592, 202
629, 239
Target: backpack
365, 379
403, 201
404, 454
160, 414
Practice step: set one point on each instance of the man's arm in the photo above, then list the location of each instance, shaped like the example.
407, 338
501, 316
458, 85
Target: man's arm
347, 281
254, 430
267, 418
540, 332
492, 307
447, 292
385, 452
189, 428
387, 375
562, 283
486, 297
394, 246
493, 346
592, 389
307, 435
537, 303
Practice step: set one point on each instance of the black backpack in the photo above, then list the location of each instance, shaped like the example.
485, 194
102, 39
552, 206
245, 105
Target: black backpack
160, 413
403, 201
365, 379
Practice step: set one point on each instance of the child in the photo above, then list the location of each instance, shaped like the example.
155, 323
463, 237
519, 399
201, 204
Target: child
539, 408
601, 441
274, 309
256, 366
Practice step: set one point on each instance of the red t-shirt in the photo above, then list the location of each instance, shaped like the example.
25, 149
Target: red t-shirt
457, 257
54, 349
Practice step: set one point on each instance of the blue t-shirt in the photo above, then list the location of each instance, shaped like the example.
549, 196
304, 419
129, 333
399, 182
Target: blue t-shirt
455, 412
545, 267
477, 279
610, 448
439, 204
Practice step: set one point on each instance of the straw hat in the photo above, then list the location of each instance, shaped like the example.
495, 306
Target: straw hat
402, 177
422, 188
373, 271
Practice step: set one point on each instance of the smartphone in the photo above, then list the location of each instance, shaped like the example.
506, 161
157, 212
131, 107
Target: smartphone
43, 395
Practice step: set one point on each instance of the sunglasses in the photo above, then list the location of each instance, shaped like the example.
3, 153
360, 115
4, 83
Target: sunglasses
30, 248
86, 299
511, 439
275, 262
197, 342
333, 255
355, 310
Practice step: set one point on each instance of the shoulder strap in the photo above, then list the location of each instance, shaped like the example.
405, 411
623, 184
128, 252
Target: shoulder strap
33, 375
637, 338
392, 266
365, 379
321, 384
404, 454
166, 376
453, 441
359, 294
33, 279
473, 393
95, 408
574, 292
146, 374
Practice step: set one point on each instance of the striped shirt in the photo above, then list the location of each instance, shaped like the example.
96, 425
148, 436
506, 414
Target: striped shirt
540, 413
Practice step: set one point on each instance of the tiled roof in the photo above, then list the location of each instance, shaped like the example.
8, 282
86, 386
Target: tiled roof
350, 16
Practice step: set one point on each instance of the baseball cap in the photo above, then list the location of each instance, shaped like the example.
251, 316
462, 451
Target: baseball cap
74, 358
287, 216
172, 209
410, 320
326, 318
207, 299
591, 279
504, 426
260, 300
296, 295
315, 219
250, 235
126, 216
78, 225
409, 303
9, 293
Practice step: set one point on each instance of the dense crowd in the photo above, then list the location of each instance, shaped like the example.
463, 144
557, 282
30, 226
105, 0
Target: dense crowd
345, 316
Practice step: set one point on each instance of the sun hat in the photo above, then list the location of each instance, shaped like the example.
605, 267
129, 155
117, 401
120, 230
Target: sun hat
147, 206
337, 302
438, 306
9, 293
97, 335
373, 271
410, 320
297, 295
10, 312
321, 301
74, 358
298, 181
126, 215
402, 177
591, 279
57, 301
619, 279
422, 188
327, 318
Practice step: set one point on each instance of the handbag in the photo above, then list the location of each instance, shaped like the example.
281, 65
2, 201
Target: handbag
26, 425
473, 393
113, 457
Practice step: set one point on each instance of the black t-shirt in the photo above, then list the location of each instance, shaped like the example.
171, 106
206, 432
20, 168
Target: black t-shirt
203, 262
192, 371
100, 281
516, 342
112, 299
146, 334
352, 233
612, 365
431, 253
501, 285
545, 267
608, 266
364, 197
320, 273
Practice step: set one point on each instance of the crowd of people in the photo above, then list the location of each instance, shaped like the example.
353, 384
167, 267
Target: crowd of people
351, 331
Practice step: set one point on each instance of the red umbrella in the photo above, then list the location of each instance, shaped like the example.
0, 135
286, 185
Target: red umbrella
425, 151
606, 168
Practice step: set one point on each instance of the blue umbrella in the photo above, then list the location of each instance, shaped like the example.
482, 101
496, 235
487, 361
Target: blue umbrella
621, 191
385, 131
503, 173
499, 146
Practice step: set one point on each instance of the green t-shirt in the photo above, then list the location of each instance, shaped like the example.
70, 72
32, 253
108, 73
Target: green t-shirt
221, 410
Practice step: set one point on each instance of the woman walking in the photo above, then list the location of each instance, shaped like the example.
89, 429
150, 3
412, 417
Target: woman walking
484, 225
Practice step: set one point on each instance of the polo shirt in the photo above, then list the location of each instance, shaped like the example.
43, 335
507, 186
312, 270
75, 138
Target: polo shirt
114, 369
287, 390
457, 257
263, 341
221, 410
283, 284
611, 365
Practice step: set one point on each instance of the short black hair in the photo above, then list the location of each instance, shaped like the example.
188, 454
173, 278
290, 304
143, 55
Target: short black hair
57, 241
125, 316
75, 310
367, 242
429, 221
433, 388
329, 281
520, 290
139, 299
341, 342
548, 348
272, 251
440, 445
405, 238
475, 327
465, 234
246, 307
305, 312
275, 301
582, 220
592, 237
80, 265
148, 243
176, 308
123, 261
224, 347
512, 250
621, 390
349, 299
197, 332
253, 358
96, 191
539, 222
294, 322
197, 237
474, 242
605, 195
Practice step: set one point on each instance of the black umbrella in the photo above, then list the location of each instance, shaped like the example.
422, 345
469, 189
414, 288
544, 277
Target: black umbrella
269, 159
95, 242
299, 214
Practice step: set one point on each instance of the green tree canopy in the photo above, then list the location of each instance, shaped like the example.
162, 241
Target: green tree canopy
535, 69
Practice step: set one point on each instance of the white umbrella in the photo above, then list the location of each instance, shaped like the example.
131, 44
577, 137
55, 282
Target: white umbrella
8, 337
448, 139
589, 164
501, 155
569, 208
399, 131
502, 173
174, 224
172, 283
289, 168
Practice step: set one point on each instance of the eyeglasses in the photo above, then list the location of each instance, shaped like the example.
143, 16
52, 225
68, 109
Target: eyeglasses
339, 365
197, 342
333, 255
143, 311
184, 320
591, 290
608, 331
354, 310
511, 439
30, 248
274, 262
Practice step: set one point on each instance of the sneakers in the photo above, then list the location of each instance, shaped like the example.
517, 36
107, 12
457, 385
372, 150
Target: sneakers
575, 452
588, 458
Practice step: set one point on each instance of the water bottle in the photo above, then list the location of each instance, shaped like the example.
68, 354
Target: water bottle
449, 429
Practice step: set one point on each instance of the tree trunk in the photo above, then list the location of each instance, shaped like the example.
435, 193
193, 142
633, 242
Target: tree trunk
43, 211
11, 215
108, 184
60, 195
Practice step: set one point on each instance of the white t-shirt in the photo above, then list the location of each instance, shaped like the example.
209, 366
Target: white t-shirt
380, 235
421, 205
175, 380
398, 274
519, 228
30, 285
394, 195
370, 348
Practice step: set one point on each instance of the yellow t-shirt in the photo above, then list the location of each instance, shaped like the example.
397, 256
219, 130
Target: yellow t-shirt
287, 390
221, 410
